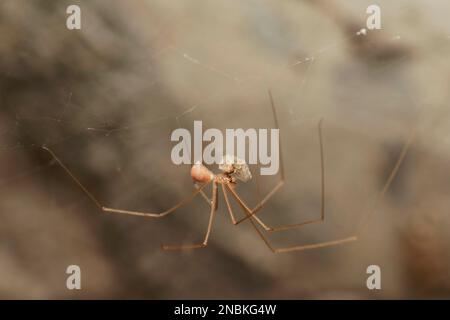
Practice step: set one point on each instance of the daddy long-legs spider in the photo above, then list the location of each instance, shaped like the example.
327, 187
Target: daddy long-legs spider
234, 171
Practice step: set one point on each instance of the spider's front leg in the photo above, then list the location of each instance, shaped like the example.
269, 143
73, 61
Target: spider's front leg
259, 206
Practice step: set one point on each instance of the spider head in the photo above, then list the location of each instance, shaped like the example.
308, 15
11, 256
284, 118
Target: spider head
235, 167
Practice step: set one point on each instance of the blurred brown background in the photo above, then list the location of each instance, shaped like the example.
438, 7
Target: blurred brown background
106, 98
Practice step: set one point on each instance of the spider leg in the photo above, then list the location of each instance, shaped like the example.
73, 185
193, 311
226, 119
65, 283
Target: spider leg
364, 223
322, 202
203, 194
227, 201
280, 183
264, 225
301, 247
208, 230
386, 186
270, 228
112, 210
286, 249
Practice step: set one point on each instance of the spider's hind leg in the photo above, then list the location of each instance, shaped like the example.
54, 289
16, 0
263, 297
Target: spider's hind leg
254, 219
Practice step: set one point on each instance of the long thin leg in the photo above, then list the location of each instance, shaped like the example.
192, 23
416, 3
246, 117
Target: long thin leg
208, 230
322, 202
386, 186
227, 201
264, 225
280, 183
203, 194
293, 248
301, 247
364, 223
112, 210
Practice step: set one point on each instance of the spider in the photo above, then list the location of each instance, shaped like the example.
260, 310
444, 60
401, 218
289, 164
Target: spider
233, 170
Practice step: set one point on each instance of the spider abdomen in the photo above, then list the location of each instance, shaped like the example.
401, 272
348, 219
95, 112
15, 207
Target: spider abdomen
200, 173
